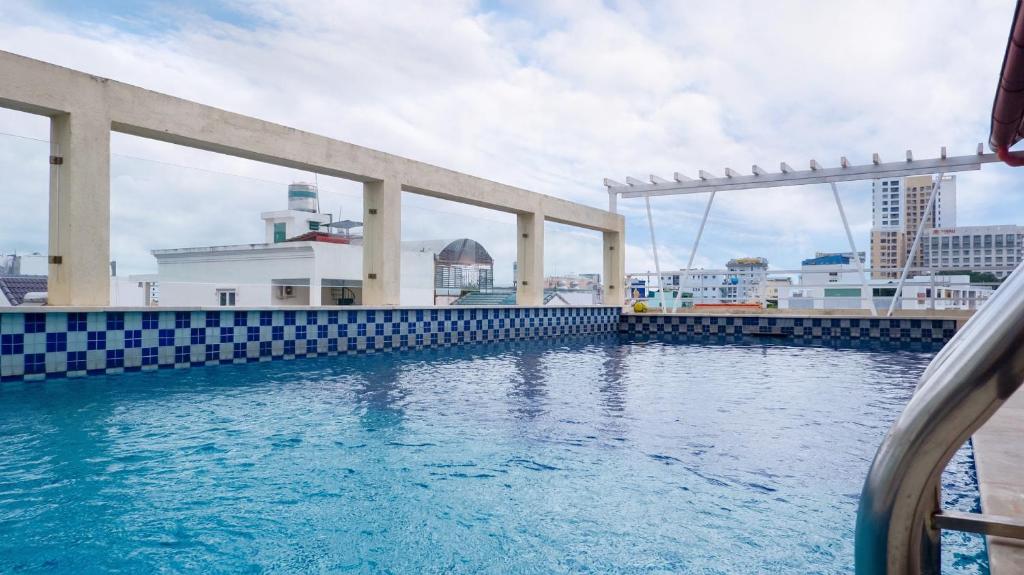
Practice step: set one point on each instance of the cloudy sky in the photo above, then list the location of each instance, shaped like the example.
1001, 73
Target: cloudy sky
548, 95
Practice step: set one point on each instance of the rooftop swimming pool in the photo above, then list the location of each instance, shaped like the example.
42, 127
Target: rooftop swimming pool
585, 454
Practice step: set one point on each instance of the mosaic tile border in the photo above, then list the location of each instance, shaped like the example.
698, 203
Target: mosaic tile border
52, 344
885, 330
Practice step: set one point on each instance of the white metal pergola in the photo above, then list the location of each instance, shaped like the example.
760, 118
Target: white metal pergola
710, 184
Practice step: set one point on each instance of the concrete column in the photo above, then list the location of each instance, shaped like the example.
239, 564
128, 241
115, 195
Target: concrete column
79, 250
530, 259
382, 237
614, 268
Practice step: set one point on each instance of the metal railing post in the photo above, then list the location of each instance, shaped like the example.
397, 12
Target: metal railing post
966, 382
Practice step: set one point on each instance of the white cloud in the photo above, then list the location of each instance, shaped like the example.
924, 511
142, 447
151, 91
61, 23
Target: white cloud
553, 97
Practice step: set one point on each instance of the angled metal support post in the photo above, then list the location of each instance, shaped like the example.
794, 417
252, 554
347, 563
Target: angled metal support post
866, 296
654, 247
917, 241
693, 252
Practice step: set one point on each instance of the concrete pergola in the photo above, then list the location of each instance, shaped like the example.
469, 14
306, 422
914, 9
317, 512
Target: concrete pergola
84, 109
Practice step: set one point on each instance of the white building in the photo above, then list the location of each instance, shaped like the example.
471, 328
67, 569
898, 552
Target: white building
311, 272
34, 264
302, 264
994, 249
743, 281
833, 282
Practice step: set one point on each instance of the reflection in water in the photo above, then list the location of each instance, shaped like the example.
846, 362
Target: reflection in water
613, 384
529, 388
380, 395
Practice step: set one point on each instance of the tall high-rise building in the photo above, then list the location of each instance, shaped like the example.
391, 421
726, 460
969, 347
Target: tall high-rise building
897, 207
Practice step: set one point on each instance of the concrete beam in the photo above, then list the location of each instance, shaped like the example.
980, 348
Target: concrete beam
530, 259
614, 273
40, 87
382, 239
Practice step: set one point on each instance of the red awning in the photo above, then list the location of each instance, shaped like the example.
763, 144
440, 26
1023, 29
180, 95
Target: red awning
1008, 108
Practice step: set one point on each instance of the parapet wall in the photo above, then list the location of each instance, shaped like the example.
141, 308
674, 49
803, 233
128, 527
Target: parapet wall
58, 343
52, 343
833, 329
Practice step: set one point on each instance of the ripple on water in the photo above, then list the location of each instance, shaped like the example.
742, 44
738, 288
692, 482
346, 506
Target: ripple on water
585, 455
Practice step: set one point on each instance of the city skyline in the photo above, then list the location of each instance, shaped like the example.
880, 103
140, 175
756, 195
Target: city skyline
526, 103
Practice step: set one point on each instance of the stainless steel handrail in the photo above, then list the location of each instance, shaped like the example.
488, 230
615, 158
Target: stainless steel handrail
980, 367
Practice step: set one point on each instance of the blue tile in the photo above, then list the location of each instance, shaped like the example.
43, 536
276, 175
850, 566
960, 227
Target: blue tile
132, 338
227, 334
97, 340
166, 337
115, 321
277, 333
252, 333
289, 318
182, 319
182, 353
266, 318
149, 356
76, 321
56, 341
35, 323
12, 344
76, 361
115, 358
150, 320
35, 363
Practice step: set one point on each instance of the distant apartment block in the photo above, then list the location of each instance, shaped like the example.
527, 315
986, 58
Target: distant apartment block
993, 249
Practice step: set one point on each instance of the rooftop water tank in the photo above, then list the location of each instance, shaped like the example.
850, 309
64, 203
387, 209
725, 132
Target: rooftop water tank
302, 197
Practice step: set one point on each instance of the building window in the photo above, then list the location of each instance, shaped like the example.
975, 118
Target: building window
279, 233
226, 297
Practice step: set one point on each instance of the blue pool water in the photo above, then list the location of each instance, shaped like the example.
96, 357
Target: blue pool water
590, 454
